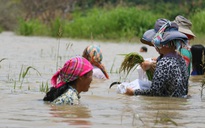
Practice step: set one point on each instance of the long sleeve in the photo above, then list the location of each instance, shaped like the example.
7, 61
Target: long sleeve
170, 79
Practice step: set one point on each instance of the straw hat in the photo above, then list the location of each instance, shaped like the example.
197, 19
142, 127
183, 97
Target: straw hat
184, 25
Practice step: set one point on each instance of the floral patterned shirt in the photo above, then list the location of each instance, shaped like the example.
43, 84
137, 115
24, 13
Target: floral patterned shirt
170, 78
70, 97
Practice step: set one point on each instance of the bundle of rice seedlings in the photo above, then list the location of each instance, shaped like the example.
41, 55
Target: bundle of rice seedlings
132, 60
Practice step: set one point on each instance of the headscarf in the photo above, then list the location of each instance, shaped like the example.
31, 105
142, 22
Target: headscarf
168, 35
72, 69
93, 54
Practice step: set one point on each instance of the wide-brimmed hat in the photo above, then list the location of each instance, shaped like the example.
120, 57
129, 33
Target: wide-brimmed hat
149, 34
170, 33
184, 25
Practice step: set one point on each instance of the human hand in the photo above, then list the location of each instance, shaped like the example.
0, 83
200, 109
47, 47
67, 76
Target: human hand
154, 59
129, 91
146, 65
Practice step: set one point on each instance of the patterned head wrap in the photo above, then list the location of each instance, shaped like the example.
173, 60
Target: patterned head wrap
72, 69
168, 35
93, 54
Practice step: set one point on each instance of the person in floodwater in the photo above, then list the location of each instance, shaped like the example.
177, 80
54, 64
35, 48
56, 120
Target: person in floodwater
185, 26
171, 74
93, 54
198, 54
72, 79
143, 49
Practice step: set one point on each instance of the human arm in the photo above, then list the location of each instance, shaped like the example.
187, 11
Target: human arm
160, 78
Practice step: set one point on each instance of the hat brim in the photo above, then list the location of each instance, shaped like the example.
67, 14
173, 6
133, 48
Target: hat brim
186, 31
146, 42
172, 35
147, 37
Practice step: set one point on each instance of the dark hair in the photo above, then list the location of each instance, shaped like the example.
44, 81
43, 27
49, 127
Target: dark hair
144, 48
53, 93
198, 52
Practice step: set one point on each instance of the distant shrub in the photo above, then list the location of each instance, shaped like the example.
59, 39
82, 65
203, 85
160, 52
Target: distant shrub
116, 23
198, 21
31, 27
56, 28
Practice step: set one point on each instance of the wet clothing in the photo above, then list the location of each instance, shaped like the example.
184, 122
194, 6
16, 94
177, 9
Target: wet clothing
70, 97
93, 54
170, 78
186, 54
97, 73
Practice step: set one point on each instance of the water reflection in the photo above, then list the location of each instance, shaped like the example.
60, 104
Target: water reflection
73, 115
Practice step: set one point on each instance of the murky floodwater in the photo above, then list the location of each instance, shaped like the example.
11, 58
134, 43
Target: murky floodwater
21, 99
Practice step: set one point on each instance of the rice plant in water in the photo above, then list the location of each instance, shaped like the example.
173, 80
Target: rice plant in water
132, 60
202, 88
203, 81
2, 60
60, 32
44, 87
111, 69
164, 119
24, 73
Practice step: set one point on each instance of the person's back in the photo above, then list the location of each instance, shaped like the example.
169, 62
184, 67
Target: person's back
94, 55
185, 26
172, 76
198, 66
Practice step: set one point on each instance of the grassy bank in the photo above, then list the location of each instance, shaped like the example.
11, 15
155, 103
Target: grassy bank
116, 24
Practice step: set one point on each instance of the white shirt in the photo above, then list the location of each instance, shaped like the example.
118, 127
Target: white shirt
97, 73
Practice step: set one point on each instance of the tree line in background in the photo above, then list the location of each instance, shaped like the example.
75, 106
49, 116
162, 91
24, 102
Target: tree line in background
55, 13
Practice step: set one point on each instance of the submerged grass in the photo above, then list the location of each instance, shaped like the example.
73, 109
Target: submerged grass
44, 87
164, 119
2, 60
23, 73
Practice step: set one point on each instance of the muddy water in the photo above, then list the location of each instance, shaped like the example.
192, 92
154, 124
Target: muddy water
21, 99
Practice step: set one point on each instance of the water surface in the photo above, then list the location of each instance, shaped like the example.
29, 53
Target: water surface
22, 105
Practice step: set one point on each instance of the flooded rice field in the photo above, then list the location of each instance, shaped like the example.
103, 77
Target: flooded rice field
21, 97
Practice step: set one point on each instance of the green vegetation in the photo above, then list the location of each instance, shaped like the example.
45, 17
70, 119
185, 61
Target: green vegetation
110, 20
132, 60
44, 87
198, 21
120, 22
23, 74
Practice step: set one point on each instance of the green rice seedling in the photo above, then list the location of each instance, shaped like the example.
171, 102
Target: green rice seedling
69, 45
24, 73
203, 81
14, 85
44, 87
202, 88
29, 88
2, 60
59, 36
203, 61
164, 119
111, 69
132, 60
136, 117
20, 73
